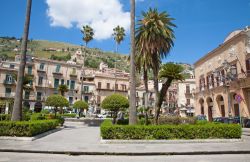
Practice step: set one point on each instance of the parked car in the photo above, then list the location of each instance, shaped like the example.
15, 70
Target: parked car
102, 115
201, 117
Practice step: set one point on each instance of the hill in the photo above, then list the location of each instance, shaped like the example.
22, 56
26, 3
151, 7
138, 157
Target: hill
10, 46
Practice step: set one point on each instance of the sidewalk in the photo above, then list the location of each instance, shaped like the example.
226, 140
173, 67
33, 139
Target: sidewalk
79, 139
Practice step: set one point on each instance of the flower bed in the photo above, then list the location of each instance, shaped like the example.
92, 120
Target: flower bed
182, 131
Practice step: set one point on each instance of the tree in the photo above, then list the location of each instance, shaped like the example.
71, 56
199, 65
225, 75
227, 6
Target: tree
155, 37
168, 73
63, 88
80, 105
17, 109
88, 34
115, 103
57, 101
132, 98
119, 34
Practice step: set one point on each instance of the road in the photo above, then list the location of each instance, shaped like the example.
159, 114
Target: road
27, 157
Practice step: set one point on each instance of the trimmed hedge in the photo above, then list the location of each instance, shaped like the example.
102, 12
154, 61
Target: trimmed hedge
26, 128
73, 115
199, 131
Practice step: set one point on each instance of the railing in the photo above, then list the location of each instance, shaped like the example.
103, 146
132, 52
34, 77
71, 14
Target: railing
9, 82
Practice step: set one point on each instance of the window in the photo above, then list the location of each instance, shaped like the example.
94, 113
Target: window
40, 80
31, 82
108, 85
41, 66
98, 99
86, 89
188, 101
58, 67
187, 89
248, 66
86, 99
67, 82
27, 95
71, 100
72, 84
12, 66
39, 96
7, 92
30, 70
99, 85
56, 83
116, 86
9, 78
62, 81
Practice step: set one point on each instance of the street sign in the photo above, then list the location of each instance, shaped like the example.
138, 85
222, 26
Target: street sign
238, 98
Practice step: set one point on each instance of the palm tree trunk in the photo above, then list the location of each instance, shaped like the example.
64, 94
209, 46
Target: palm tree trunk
157, 107
132, 109
163, 91
145, 78
17, 109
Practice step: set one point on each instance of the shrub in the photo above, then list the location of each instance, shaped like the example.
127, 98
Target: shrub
37, 116
58, 117
69, 115
176, 120
26, 128
182, 131
4, 117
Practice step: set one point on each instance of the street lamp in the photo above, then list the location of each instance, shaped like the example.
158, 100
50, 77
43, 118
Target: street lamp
231, 72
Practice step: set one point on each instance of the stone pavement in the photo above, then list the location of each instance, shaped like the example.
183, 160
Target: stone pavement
77, 138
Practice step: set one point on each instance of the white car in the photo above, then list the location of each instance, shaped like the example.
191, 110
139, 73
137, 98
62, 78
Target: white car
101, 115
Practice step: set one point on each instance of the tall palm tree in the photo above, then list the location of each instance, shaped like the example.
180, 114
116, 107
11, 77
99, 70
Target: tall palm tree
119, 34
88, 34
17, 108
132, 99
168, 73
155, 36
63, 88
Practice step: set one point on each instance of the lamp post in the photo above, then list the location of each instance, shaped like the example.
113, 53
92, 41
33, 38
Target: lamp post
230, 75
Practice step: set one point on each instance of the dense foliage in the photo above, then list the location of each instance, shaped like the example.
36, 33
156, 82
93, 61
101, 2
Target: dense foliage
26, 128
57, 101
183, 131
115, 102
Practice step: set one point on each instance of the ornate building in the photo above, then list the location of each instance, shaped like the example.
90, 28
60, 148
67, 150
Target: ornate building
222, 78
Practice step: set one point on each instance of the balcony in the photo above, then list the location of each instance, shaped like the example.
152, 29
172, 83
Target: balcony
9, 95
57, 73
9, 82
41, 70
73, 75
188, 94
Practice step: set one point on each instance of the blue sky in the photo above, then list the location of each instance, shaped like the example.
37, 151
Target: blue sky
201, 24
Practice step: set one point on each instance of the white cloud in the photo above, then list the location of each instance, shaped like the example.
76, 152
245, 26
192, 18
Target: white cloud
101, 15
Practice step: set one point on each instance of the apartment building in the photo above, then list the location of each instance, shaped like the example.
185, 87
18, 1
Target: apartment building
222, 78
49, 74
185, 100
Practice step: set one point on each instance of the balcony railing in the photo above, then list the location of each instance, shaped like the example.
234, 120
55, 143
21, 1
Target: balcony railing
9, 82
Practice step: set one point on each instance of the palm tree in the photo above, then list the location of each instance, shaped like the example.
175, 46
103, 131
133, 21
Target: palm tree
17, 108
168, 73
155, 36
63, 88
119, 34
88, 34
132, 99
143, 65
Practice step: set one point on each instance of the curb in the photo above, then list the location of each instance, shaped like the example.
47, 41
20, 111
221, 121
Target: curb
128, 153
103, 141
31, 138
